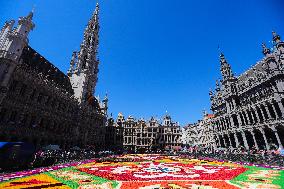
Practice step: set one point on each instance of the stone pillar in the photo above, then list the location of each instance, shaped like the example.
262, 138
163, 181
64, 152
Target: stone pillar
277, 137
251, 115
268, 112
242, 118
262, 113
281, 108
230, 142
236, 139
231, 121
264, 137
245, 140
255, 142
246, 117
227, 145
274, 109
239, 119
218, 141
224, 142
256, 114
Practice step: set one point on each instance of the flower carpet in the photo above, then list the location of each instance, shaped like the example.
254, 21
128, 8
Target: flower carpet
144, 171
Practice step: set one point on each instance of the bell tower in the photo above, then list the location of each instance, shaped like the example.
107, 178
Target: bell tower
84, 64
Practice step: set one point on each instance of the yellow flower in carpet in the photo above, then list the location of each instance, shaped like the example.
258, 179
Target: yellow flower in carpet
175, 186
34, 181
106, 185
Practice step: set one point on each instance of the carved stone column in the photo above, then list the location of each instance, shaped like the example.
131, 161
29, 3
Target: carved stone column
242, 118
228, 134
268, 112
236, 139
218, 141
265, 139
281, 107
277, 137
239, 119
251, 115
245, 140
255, 142
262, 113
231, 121
275, 111
256, 114
224, 142
246, 117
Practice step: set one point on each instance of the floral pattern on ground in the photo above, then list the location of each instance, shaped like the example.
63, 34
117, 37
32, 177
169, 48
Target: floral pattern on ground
146, 172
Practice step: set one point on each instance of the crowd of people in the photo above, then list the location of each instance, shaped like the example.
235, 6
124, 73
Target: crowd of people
44, 158
254, 156
51, 157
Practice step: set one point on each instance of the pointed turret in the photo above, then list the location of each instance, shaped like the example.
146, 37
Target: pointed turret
265, 50
275, 37
83, 73
211, 94
105, 104
14, 41
25, 24
217, 85
225, 68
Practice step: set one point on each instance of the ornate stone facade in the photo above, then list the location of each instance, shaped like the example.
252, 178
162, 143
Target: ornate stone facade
199, 133
189, 135
249, 108
140, 135
38, 103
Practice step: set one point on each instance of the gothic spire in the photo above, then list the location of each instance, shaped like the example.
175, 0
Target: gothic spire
265, 50
211, 94
225, 68
89, 45
276, 37
217, 85
26, 24
83, 73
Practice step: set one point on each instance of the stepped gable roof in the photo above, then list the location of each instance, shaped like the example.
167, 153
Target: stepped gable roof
35, 61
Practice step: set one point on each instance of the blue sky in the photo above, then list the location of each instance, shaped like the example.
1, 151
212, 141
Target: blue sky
155, 55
